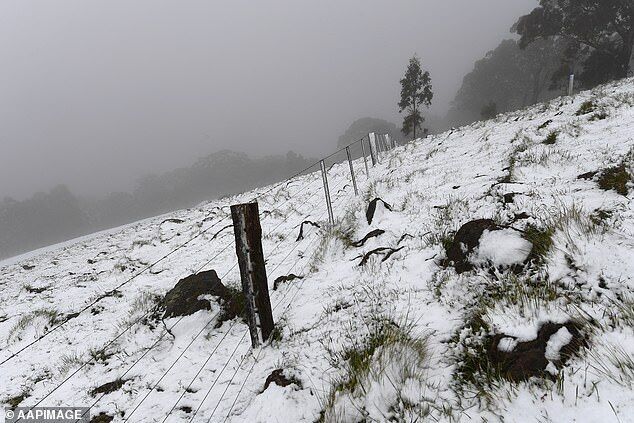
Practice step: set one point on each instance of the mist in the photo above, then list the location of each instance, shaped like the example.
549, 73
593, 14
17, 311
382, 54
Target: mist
98, 94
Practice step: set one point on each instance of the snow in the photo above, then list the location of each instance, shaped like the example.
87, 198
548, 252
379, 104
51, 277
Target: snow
502, 248
434, 186
556, 342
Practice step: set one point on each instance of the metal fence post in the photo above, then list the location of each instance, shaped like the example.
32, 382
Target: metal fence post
248, 234
365, 159
354, 180
324, 176
571, 84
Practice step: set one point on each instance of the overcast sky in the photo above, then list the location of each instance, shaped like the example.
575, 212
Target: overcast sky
94, 94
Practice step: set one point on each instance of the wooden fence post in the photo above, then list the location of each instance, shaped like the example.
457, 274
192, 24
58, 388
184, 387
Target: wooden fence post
248, 234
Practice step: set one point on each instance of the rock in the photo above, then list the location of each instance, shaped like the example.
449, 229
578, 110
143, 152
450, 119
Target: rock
184, 298
109, 387
301, 229
587, 176
371, 234
284, 279
372, 209
102, 418
528, 359
277, 377
465, 241
509, 198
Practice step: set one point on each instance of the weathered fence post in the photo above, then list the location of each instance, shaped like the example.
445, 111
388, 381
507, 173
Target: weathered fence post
354, 180
571, 84
248, 234
324, 177
374, 155
365, 160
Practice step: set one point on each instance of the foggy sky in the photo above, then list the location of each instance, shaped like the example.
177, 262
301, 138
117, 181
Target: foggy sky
94, 94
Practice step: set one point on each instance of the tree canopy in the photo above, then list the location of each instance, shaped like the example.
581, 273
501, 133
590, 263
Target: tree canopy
602, 32
510, 78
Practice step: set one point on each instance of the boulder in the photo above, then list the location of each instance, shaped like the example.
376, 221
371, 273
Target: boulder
184, 299
528, 359
374, 206
466, 241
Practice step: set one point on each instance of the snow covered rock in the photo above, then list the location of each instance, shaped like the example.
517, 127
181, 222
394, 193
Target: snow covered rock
185, 298
466, 241
554, 345
482, 242
376, 208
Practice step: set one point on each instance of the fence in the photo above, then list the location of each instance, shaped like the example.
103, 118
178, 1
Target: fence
356, 159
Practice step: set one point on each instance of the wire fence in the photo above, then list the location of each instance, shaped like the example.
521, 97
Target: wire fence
357, 156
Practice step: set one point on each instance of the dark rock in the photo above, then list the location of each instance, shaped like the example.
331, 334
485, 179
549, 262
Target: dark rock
545, 124
528, 359
509, 198
369, 214
277, 377
183, 299
284, 279
301, 229
587, 176
521, 216
28, 267
465, 241
109, 387
102, 418
371, 234
387, 250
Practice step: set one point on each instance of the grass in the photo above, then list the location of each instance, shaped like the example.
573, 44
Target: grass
615, 178
337, 237
586, 107
542, 240
388, 355
16, 400
551, 138
49, 317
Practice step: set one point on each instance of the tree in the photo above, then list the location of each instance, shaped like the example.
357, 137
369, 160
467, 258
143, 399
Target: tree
510, 77
489, 111
602, 32
416, 92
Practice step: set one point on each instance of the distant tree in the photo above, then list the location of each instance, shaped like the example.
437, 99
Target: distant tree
602, 32
416, 92
509, 77
489, 111
362, 127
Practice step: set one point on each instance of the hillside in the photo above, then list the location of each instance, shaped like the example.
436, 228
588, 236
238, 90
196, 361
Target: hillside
537, 326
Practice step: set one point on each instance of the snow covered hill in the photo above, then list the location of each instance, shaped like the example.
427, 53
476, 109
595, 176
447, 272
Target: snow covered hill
536, 323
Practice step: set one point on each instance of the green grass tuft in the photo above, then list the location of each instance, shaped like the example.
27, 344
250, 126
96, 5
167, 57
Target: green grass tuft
586, 107
551, 138
615, 178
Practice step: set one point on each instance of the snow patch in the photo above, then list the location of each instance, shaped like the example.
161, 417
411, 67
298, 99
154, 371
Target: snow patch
501, 248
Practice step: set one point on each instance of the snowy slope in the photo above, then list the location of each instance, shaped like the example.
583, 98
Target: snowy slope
418, 315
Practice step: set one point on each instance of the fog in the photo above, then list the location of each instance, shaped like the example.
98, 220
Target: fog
95, 94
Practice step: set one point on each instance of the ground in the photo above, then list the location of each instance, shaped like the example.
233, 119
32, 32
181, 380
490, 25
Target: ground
396, 335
